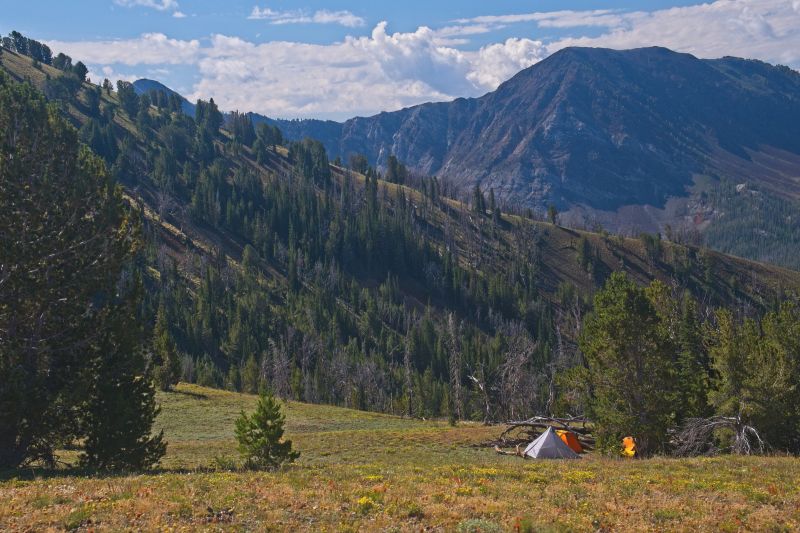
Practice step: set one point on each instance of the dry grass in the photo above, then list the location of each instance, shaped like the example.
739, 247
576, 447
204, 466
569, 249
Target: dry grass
367, 472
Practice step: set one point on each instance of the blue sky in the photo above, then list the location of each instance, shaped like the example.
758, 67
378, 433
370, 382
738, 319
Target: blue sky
336, 59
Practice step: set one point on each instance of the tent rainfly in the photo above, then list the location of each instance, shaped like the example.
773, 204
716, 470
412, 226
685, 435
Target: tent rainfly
570, 439
549, 445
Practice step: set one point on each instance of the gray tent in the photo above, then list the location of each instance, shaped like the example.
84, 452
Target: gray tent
549, 445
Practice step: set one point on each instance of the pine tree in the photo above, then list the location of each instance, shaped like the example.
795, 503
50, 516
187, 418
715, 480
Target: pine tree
585, 253
250, 375
497, 214
71, 350
552, 214
260, 436
756, 372
128, 98
692, 367
629, 367
121, 408
478, 202
167, 363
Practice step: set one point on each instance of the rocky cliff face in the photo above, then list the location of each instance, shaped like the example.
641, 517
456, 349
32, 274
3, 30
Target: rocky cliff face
596, 128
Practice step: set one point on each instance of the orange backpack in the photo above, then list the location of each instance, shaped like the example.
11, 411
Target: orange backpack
629, 447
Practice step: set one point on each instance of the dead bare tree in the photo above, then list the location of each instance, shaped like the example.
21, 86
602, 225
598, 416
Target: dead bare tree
553, 366
165, 204
310, 350
576, 424
407, 374
517, 386
696, 437
281, 370
454, 334
481, 383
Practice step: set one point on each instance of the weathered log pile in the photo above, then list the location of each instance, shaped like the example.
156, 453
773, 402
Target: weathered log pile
521, 432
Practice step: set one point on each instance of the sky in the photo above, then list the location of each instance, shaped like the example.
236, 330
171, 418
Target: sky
343, 58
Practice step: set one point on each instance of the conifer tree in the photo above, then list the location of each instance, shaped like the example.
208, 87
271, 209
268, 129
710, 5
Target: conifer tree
628, 367
128, 98
260, 436
494, 207
478, 202
692, 365
756, 372
71, 363
552, 214
121, 407
167, 364
250, 375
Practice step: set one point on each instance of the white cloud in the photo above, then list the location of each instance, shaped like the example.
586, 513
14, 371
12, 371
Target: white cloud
551, 19
273, 16
342, 18
361, 75
496, 63
107, 72
356, 76
149, 49
386, 71
416, 56
179, 15
760, 29
445, 34
161, 5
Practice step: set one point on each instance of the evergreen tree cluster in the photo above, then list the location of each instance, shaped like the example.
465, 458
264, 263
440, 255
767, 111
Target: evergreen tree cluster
652, 362
73, 368
396, 172
754, 223
267, 137
16, 42
41, 53
241, 127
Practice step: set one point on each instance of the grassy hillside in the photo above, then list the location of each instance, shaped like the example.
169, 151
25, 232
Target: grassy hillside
366, 472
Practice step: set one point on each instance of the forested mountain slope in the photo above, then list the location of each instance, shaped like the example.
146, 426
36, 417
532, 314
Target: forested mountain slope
611, 136
268, 266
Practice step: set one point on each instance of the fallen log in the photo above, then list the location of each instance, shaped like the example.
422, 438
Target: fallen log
517, 451
696, 437
529, 429
543, 422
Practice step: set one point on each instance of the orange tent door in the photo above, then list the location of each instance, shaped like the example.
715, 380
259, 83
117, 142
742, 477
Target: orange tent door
570, 439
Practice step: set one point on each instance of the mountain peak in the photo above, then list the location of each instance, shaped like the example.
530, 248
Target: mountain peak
146, 85
595, 127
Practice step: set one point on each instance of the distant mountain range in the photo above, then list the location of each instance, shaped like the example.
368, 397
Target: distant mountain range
604, 135
596, 127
